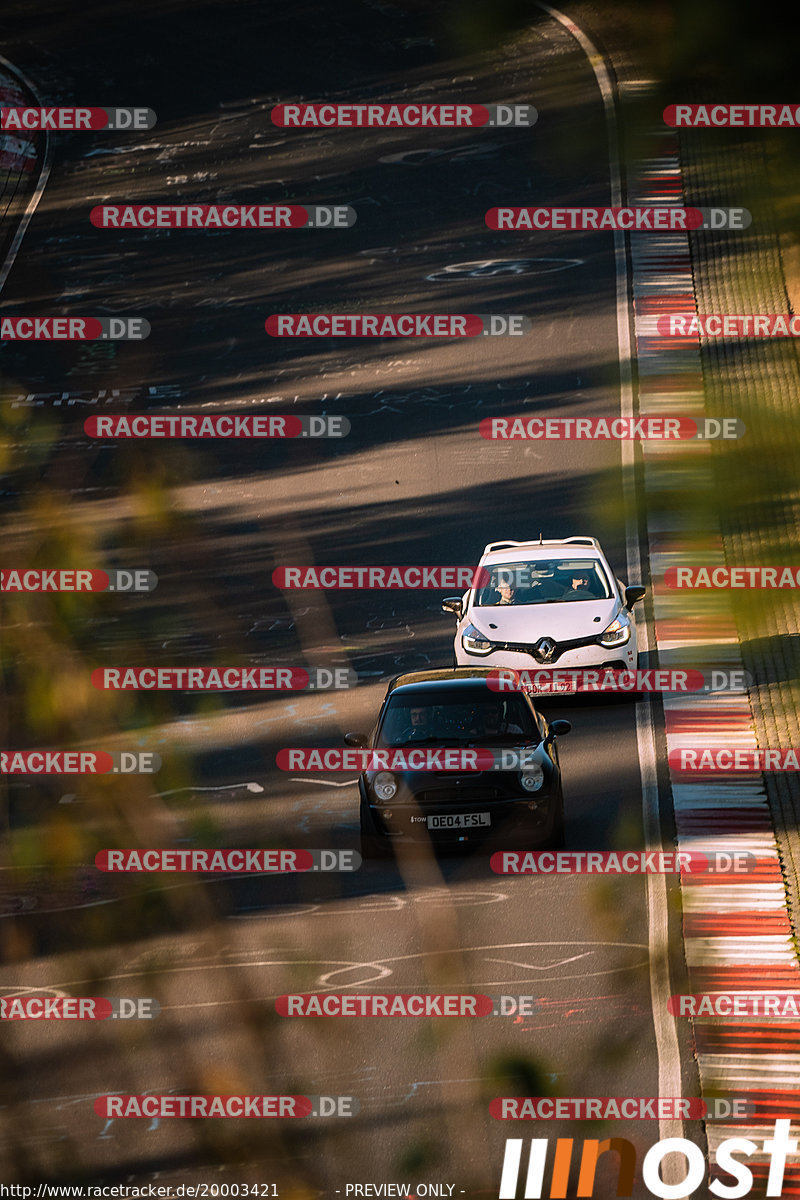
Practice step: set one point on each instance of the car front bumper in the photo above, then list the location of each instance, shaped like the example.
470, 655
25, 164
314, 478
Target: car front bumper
614, 657
531, 815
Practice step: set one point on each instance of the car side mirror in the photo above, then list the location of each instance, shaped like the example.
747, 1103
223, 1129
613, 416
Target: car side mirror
355, 739
452, 604
633, 595
559, 729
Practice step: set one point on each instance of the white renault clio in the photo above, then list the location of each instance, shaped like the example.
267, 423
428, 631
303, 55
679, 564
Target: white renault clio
548, 604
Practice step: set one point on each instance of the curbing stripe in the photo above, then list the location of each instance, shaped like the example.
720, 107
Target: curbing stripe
737, 933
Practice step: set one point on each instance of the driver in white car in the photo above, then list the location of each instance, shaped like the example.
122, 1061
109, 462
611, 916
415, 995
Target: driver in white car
578, 587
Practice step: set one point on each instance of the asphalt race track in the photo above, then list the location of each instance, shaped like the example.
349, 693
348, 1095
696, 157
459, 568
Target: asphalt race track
412, 483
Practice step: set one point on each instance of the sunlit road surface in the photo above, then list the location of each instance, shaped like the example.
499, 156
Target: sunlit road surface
413, 483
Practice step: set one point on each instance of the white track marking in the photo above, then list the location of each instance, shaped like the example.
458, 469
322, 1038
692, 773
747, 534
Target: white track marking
562, 962
667, 1048
226, 787
323, 782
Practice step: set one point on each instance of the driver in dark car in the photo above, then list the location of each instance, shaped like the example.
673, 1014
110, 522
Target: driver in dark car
419, 725
489, 722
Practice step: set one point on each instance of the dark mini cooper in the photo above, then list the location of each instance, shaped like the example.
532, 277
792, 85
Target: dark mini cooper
442, 709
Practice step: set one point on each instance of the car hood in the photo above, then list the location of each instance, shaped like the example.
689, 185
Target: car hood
535, 752
526, 624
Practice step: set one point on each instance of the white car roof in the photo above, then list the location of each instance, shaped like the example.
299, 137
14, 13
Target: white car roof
578, 547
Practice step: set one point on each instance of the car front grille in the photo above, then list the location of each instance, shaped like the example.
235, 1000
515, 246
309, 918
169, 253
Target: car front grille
561, 648
466, 795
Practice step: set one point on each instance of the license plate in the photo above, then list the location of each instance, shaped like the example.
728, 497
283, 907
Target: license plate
459, 820
557, 688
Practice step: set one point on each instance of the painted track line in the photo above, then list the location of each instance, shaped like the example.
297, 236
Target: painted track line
667, 1048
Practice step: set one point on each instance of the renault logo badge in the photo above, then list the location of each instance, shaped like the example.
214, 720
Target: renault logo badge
545, 648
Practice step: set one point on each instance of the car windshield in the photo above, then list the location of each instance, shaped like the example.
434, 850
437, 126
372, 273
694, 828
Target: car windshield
544, 581
441, 719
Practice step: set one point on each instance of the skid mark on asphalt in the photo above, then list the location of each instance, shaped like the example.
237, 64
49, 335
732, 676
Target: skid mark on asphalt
371, 970
365, 972
508, 962
382, 969
488, 268
374, 904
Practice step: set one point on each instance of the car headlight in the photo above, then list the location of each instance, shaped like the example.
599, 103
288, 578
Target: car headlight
532, 778
618, 632
473, 640
384, 785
